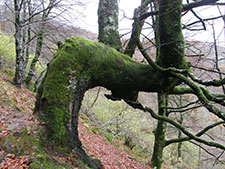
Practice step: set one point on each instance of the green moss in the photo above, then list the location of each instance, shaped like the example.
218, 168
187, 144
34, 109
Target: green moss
75, 57
78, 59
29, 144
22, 143
171, 37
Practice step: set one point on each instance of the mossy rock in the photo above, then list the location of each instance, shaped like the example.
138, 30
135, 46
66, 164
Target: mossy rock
28, 143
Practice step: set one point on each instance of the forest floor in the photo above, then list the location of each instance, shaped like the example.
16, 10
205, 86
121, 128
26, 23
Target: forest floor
16, 114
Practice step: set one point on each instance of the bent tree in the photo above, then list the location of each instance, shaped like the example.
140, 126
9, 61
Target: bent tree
80, 64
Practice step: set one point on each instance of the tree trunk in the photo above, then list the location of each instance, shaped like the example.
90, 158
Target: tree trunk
24, 34
28, 32
36, 57
81, 64
170, 35
170, 53
19, 72
157, 157
39, 44
137, 27
108, 23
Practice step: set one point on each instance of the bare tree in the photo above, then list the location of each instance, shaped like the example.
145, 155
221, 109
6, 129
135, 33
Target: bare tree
40, 38
19, 73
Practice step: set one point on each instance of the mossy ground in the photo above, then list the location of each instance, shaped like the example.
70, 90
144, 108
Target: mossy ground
28, 143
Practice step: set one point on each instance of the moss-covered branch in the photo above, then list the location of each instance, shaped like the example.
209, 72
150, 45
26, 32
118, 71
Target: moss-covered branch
200, 94
199, 134
137, 27
179, 126
213, 82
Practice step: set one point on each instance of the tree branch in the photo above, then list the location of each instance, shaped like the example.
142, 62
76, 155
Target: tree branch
202, 21
199, 93
199, 134
213, 82
206, 151
198, 4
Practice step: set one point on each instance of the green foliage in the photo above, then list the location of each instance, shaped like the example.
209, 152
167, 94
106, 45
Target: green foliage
8, 54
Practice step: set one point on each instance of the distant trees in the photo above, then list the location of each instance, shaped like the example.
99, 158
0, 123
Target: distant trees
0, 60
40, 38
30, 20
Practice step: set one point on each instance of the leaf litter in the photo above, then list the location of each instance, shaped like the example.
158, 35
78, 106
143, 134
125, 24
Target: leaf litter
16, 109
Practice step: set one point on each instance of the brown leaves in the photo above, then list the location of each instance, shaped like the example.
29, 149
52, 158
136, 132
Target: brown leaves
110, 156
16, 108
11, 162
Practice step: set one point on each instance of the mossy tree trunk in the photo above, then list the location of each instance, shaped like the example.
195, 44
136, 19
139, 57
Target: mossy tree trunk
79, 65
157, 157
108, 24
170, 53
137, 27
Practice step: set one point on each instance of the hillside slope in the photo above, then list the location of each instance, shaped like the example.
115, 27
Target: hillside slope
16, 107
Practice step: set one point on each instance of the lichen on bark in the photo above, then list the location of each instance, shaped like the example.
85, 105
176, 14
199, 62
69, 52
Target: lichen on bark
170, 35
108, 23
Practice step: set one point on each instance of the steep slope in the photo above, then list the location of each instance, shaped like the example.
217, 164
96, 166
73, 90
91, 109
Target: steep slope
16, 108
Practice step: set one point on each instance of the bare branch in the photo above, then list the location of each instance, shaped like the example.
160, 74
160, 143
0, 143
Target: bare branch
199, 134
198, 4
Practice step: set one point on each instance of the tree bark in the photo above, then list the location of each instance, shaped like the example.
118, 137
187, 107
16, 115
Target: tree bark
19, 72
28, 32
108, 23
79, 65
38, 50
170, 53
39, 43
137, 27
157, 157
170, 35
